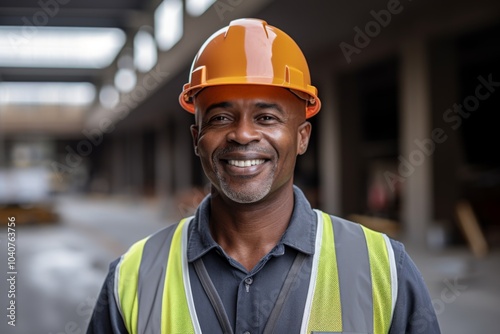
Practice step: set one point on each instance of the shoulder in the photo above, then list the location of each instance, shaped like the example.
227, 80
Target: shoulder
341, 223
159, 237
346, 229
382, 251
406, 268
414, 311
147, 248
400, 255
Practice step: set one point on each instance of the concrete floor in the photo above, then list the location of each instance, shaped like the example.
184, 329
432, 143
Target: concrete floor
465, 291
61, 268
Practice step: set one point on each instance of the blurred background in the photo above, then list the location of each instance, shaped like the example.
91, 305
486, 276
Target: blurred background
96, 153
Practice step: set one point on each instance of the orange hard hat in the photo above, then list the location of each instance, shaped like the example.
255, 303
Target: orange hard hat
249, 51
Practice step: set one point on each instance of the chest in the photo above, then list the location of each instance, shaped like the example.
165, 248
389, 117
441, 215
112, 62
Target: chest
249, 297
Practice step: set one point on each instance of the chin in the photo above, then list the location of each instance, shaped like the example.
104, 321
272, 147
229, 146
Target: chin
246, 196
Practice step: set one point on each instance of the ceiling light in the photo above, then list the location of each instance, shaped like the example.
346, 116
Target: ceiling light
168, 23
125, 80
145, 53
59, 47
198, 7
109, 96
47, 93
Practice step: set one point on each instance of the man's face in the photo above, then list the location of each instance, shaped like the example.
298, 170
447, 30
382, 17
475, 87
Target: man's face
248, 138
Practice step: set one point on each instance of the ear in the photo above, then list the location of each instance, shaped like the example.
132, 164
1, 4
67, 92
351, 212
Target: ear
304, 133
194, 134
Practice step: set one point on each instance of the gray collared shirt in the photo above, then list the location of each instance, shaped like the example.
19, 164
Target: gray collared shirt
249, 296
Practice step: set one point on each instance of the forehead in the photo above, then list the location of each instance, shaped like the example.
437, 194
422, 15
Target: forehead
242, 94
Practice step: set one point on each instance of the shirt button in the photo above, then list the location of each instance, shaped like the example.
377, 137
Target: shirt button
248, 281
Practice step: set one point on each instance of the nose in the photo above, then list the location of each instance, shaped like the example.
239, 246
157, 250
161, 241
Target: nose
244, 132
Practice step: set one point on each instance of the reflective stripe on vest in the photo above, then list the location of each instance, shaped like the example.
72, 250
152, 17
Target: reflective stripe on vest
154, 273
337, 298
359, 298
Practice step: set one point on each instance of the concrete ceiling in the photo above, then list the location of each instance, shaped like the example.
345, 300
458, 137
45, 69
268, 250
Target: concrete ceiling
320, 26
317, 26
127, 15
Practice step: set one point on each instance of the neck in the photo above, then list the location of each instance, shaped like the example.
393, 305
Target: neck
247, 232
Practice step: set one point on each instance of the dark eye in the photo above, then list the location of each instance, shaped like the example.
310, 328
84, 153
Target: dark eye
219, 119
267, 119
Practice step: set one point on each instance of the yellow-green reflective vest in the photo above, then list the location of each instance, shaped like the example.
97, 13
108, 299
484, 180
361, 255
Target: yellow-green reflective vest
352, 288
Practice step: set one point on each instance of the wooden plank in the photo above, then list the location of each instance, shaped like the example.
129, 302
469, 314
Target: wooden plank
471, 229
31, 215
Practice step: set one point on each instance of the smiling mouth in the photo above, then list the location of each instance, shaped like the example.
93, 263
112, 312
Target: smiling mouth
246, 163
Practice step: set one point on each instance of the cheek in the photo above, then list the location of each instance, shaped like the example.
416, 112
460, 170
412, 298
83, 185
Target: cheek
207, 144
205, 156
284, 142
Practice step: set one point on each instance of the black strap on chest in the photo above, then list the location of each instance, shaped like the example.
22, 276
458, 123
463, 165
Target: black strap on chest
284, 293
214, 297
218, 306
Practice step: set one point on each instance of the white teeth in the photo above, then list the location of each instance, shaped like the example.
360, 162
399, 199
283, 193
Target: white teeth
245, 163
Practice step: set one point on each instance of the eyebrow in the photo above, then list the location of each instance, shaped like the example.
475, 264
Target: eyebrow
265, 105
222, 105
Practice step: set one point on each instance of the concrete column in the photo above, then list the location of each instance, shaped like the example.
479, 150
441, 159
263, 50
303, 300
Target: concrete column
448, 156
415, 166
351, 182
329, 147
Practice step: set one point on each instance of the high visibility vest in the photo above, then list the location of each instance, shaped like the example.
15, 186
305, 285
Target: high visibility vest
352, 288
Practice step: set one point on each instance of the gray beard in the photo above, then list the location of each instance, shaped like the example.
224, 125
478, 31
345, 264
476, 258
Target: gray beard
248, 195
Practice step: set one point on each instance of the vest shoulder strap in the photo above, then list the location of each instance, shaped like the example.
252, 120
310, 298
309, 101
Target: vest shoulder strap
151, 274
126, 283
353, 281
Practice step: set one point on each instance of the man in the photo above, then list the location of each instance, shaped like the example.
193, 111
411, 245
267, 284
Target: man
256, 258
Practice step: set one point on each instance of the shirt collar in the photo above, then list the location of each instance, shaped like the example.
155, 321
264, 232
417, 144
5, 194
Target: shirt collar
300, 234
